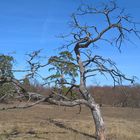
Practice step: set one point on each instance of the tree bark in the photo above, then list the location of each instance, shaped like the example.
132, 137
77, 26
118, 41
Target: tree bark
97, 116
99, 123
95, 109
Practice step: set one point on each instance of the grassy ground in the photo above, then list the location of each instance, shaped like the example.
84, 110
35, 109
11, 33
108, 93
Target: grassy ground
48, 122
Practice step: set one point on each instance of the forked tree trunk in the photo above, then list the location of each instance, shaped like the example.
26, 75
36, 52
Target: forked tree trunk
95, 109
97, 116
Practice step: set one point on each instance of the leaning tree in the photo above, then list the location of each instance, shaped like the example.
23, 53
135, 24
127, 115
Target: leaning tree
83, 38
72, 67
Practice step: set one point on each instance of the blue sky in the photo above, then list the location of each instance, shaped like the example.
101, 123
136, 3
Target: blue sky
27, 25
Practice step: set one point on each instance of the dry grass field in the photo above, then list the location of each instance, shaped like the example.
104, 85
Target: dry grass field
48, 122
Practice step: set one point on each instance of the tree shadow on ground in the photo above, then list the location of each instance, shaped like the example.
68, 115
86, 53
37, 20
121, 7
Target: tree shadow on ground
61, 125
32, 133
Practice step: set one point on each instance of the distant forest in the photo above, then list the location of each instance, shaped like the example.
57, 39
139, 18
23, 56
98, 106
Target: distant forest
119, 96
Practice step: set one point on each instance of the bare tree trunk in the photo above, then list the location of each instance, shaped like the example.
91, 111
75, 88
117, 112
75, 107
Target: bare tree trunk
96, 113
99, 123
95, 109
97, 117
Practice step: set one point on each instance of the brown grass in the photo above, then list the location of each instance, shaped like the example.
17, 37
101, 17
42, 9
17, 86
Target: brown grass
48, 122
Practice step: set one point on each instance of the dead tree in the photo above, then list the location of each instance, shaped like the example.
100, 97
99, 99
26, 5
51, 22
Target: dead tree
83, 64
87, 36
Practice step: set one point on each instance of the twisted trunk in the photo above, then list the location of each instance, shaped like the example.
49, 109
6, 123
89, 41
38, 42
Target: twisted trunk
95, 109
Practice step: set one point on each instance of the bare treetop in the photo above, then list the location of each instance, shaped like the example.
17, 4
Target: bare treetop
114, 19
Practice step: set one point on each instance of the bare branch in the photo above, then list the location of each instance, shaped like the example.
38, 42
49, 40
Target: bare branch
25, 106
106, 66
68, 103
